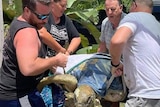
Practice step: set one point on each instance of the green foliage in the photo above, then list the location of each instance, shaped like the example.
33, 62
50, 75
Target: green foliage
11, 5
6, 27
18, 7
8, 10
85, 41
83, 11
86, 13
86, 10
126, 3
11, 9
88, 49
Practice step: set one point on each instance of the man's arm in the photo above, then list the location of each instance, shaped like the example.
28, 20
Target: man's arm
27, 50
102, 47
50, 41
118, 42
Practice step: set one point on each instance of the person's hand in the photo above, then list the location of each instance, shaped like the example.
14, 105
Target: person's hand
61, 60
68, 52
117, 71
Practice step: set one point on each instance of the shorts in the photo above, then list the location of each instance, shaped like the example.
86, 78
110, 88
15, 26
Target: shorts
31, 100
142, 102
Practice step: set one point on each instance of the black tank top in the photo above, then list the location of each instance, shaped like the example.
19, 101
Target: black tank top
12, 83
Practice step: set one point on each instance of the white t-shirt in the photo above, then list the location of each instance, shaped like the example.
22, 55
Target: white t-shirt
142, 55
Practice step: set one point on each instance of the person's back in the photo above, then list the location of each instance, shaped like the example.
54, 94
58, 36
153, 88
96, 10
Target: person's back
142, 54
138, 39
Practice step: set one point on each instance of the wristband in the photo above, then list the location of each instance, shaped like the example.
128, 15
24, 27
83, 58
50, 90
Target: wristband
70, 52
115, 65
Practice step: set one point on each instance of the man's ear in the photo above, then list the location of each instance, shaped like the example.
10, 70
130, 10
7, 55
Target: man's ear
121, 7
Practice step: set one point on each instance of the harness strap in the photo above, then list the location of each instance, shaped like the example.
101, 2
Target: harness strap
111, 80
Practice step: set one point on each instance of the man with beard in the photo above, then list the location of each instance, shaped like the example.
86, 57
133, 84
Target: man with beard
24, 62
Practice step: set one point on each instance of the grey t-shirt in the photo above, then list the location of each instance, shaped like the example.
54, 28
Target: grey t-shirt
108, 31
63, 32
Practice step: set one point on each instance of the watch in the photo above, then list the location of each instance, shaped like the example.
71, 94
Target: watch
115, 65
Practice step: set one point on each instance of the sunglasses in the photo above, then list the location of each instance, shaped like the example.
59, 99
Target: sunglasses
40, 16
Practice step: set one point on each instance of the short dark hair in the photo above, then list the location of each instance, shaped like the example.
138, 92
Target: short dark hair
32, 3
